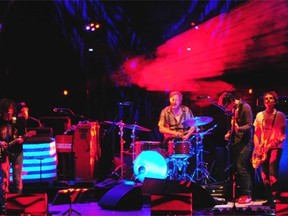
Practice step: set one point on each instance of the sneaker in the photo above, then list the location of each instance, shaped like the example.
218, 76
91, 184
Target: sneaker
244, 199
270, 203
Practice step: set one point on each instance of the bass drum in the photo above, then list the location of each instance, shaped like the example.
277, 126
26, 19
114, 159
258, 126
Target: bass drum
150, 164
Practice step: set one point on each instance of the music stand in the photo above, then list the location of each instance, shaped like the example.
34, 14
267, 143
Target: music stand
65, 196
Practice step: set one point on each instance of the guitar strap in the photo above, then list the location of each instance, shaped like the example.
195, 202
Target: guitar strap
268, 138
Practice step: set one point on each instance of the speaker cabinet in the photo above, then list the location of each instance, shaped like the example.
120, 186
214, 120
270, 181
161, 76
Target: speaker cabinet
171, 204
34, 204
122, 197
201, 198
87, 150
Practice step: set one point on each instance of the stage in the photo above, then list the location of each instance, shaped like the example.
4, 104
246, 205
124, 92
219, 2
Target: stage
114, 197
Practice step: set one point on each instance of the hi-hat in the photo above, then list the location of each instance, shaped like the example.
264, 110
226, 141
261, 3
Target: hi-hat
197, 121
129, 126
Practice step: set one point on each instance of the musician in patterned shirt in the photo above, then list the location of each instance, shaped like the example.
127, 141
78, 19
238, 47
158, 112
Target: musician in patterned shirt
172, 117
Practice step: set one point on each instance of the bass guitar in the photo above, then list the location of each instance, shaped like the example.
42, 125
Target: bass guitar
4, 150
259, 154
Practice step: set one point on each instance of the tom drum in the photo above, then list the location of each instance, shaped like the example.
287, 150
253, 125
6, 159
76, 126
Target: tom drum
145, 145
180, 148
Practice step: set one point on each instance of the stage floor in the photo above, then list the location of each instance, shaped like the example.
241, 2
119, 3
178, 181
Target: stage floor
87, 203
92, 208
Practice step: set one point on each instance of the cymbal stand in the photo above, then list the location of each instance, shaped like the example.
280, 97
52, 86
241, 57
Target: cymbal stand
201, 174
133, 137
121, 126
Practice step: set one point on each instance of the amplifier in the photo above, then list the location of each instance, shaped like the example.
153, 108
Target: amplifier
64, 143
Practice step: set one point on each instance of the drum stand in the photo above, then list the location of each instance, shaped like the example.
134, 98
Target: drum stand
133, 137
178, 171
201, 174
121, 166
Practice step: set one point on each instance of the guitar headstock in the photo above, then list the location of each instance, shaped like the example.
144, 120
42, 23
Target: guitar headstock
30, 133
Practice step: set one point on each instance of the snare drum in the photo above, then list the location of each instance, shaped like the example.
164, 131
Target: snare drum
145, 145
179, 148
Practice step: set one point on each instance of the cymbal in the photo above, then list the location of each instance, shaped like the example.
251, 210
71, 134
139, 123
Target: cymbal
197, 121
137, 127
129, 126
115, 123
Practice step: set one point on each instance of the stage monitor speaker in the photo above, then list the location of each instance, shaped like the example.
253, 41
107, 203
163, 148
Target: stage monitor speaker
104, 186
35, 204
202, 199
171, 204
122, 197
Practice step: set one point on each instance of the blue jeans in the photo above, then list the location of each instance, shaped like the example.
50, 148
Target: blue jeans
16, 161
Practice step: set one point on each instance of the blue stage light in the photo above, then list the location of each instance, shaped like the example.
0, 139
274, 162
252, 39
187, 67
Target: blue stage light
150, 164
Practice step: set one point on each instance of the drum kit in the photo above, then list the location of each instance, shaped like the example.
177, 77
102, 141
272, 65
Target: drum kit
149, 160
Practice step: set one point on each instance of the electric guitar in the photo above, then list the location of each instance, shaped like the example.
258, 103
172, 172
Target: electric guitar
259, 154
4, 150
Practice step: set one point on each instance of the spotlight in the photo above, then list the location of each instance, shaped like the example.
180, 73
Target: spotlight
92, 26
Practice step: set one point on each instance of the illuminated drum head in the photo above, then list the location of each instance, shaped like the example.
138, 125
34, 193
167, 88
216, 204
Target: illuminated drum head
150, 164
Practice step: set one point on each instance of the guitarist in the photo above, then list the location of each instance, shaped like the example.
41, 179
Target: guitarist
269, 136
11, 146
240, 142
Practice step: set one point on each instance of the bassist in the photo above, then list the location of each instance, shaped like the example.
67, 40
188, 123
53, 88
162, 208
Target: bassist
269, 136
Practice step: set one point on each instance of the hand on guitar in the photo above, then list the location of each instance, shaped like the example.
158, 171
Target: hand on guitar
259, 154
227, 136
3, 144
19, 140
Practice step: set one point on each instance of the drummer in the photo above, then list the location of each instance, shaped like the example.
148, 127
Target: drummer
171, 119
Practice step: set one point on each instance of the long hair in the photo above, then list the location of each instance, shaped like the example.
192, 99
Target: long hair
5, 104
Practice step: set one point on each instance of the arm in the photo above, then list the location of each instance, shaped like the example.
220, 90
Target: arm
192, 129
257, 134
247, 121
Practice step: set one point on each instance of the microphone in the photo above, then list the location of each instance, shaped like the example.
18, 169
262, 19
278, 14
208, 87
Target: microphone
125, 103
59, 109
203, 97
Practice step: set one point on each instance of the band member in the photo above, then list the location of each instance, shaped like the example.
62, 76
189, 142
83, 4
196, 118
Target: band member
172, 117
269, 136
239, 139
24, 115
11, 146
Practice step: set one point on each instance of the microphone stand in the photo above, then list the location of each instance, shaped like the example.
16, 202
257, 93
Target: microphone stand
229, 165
228, 115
